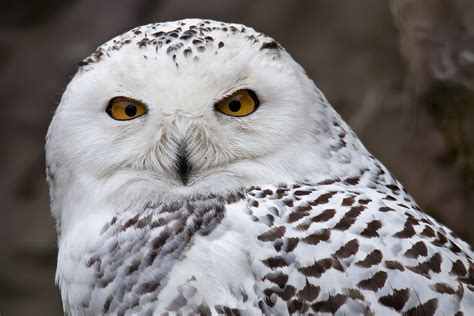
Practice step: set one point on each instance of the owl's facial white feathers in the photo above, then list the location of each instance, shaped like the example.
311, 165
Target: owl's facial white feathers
89, 152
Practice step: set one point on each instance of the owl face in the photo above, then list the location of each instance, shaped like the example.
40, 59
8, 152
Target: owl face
188, 107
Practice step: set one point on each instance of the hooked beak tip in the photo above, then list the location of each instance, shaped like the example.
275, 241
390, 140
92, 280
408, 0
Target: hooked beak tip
183, 167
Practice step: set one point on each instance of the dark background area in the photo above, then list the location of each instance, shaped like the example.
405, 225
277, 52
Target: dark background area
401, 73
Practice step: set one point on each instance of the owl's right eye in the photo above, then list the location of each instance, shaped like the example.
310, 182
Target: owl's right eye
124, 109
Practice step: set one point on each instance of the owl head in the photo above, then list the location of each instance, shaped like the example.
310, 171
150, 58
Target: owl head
188, 107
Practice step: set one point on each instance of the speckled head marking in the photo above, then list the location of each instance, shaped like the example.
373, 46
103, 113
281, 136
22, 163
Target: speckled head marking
183, 39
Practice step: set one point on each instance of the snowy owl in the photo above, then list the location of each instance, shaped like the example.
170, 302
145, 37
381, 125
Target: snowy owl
194, 168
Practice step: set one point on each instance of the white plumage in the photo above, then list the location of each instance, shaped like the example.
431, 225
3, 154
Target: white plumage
187, 209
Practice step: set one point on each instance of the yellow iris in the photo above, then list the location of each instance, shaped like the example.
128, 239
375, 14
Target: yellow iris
124, 109
239, 103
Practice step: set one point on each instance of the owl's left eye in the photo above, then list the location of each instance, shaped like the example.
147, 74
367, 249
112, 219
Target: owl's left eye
240, 103
124, 109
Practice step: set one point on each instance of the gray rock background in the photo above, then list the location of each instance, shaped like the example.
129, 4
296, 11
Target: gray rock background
353, 50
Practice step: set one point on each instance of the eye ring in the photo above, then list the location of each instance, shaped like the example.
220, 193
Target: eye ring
125, 109
240, 103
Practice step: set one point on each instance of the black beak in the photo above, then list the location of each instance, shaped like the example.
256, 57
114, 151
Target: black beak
182, 164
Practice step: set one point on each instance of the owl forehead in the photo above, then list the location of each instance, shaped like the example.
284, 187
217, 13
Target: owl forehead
189, 39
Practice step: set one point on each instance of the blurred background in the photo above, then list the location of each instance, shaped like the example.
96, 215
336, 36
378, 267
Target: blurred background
400, 72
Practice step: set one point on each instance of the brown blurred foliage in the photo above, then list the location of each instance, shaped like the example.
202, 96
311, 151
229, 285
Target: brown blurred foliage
399, 72
437, 40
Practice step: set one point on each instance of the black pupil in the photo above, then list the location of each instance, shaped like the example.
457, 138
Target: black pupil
234, 105
131, 110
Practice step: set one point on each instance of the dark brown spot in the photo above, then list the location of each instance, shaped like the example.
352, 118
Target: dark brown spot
227, 311
287, 292
375, 283
394, 265
149, 287
107, 303
385, 209
348, 201
324, 216
309, 293
418, 249
319, 267
187, 52
113, 221
349, 218
288, 202
412, 220
432, 264
220, 45
323, 198
458, 268
303, 226
272, 234
130, 222
302, 208
443, 288
345, 223
291, 244
278, 278
160, 240
407, 232
427, 308
396, 300
295, 306
355, 294
428, 231
349, 249
114, 247
364, 201
331, 305
84, 62
144, 221
254, 203
389, 198
352, 181
295, 216
302, 192
275, 262
143, 42
264, 193
151, 257
270, 45
269, 220
355, 211
105, 281
316, 238
441, 240
92, 260
373, 258
393, 187
454, 248
326, 182
133, 267
371, 229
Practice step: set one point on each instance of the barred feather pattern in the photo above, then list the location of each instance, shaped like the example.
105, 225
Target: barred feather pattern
358, 245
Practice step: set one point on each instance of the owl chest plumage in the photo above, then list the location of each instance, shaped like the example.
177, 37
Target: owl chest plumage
328, 247
147, 260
